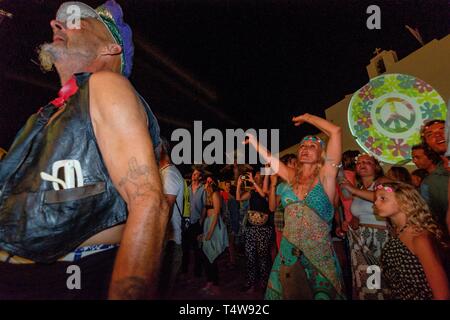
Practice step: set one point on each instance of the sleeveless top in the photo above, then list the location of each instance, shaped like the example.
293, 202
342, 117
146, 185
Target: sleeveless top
307, 230
258, 203
317, 199
404, 272
363, 210
209, 203
41, 219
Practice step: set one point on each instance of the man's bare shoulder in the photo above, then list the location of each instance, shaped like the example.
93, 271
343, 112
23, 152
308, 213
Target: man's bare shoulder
112, 92
104, 77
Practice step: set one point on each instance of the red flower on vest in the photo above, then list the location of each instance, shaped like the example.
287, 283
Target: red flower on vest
67, 90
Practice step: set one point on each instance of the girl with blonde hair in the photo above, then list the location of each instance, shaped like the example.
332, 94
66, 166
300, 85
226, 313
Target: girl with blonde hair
410, 261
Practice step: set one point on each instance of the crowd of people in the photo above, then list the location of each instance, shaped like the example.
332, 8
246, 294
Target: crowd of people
330, 217
324, 224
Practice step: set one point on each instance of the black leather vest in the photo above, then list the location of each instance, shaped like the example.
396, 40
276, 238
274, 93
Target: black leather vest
41, 218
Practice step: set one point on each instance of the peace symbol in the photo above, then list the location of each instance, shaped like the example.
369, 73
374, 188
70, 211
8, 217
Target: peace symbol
395, 115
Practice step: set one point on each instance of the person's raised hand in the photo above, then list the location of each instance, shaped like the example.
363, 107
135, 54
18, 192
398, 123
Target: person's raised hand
250, 177
298, 120
345, 184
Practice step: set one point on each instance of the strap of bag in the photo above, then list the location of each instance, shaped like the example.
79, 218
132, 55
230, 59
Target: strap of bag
181, 215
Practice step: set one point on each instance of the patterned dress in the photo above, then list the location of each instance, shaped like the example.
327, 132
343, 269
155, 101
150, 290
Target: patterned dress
366, 244
258, 241
404, 273
306, 266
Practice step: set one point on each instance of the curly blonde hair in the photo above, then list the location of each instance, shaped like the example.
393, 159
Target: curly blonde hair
417, 212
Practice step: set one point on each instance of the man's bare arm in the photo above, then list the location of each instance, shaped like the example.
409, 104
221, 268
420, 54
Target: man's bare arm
120, 126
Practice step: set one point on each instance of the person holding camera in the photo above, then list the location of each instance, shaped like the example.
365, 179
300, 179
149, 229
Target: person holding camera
258, 233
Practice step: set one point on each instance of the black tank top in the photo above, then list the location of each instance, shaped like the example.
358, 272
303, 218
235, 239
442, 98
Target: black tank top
258, 203
404, 272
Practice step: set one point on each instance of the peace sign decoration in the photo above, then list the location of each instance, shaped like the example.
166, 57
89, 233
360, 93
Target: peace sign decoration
386, 114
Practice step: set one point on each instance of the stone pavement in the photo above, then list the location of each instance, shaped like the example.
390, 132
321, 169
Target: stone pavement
231, 281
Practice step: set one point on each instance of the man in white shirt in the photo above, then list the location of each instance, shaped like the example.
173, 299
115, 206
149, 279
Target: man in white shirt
173, 184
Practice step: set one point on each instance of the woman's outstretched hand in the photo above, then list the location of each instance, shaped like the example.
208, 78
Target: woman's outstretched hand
345, 184
298, 120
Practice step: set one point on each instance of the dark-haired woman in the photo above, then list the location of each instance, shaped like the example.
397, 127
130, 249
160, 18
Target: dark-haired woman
399, 174
214, 239
258, 234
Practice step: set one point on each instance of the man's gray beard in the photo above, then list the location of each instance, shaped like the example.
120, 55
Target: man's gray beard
49, 54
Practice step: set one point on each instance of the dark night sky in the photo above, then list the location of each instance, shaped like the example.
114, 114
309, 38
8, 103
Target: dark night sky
243, 63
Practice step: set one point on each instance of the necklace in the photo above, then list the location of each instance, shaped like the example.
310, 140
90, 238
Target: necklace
308, 190
303, 201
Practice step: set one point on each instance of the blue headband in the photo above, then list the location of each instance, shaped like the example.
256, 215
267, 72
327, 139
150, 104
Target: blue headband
313, 139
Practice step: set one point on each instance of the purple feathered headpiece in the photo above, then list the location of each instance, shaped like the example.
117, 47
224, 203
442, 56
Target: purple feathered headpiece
111, 14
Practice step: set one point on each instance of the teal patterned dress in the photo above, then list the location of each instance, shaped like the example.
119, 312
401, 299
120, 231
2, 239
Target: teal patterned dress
306, 266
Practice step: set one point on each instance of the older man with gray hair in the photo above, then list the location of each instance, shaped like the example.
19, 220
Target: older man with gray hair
82, 212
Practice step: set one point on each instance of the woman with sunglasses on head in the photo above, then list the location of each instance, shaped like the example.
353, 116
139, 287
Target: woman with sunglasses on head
411, 261
306, 266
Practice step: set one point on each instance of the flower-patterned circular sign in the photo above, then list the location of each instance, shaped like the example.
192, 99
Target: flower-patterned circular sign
386, 114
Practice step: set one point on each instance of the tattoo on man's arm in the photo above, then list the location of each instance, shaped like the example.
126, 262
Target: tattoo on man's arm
132, 288
139, 177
